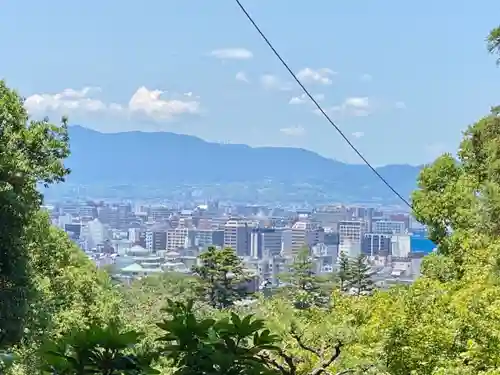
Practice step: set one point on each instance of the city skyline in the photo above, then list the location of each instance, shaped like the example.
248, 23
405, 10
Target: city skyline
135, 240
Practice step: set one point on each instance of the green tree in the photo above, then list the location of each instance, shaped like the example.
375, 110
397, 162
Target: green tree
493, 42
304, 284
31, 153
459, 201
360, 275
344, 274
447, 321
96, 350
237, 345
69, 292
229, 346
301, 274
145, 299
222, 277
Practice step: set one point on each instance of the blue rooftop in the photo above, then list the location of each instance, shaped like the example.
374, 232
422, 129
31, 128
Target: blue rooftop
421, 244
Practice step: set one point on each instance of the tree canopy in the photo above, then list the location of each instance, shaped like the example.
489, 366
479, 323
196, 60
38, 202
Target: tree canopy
47, 285
31, 152
493, 42
223, 280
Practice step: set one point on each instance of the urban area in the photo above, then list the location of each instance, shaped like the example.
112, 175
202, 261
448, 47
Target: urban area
134, 241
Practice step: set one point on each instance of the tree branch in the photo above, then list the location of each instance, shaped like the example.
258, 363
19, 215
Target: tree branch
289, 361
325, 363
298, 339
289, 369
269, 361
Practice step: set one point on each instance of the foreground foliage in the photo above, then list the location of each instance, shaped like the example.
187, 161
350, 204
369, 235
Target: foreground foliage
47, 285
31, 152
96, 350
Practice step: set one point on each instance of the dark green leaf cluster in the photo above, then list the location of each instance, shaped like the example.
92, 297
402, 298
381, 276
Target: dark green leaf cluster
97, 350
223, 280
229, 346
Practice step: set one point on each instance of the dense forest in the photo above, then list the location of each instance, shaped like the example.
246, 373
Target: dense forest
61, 315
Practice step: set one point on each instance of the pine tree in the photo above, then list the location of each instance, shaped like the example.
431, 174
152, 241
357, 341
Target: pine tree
305, 284
301, 274
344, 274
360, 275
222, 278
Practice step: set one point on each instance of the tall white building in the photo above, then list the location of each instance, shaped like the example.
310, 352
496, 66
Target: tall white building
237, 236
96, 233
63, 220
303, 234
122, 247
400, 246
177, 238
325, 257
134, 234
389, 226
265, 241
351, 233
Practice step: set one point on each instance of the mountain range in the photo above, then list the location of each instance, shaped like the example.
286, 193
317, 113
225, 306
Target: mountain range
165, 160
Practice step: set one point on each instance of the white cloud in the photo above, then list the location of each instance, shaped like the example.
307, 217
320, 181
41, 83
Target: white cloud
271, 82
400, 105
303, 98
144, 101
357, 102
232, 54
294, 131
321, 76
366, 78
359, 106
358, 134
150, 103
71, 93
356, 106
241, 76
67, 100
298, 99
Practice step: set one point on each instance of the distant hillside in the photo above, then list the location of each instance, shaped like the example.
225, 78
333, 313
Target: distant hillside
166, 159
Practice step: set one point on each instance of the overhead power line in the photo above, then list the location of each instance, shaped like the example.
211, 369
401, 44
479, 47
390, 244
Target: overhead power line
322, 111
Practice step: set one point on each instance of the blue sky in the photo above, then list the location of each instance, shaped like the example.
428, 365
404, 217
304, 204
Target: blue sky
402, 79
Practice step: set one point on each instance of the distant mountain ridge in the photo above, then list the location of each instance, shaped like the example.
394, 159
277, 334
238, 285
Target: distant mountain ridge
163, 158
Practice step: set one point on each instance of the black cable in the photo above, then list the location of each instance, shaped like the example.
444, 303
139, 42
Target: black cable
405, 201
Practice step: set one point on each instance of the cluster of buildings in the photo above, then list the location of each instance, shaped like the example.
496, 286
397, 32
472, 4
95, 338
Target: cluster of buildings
135, 240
